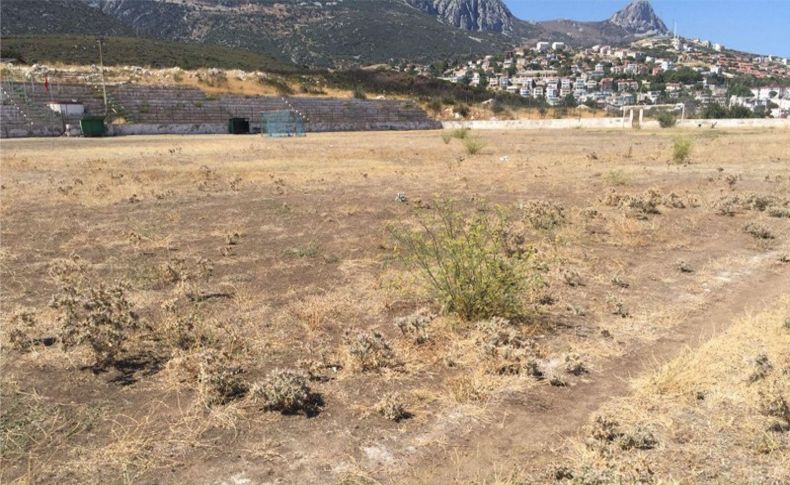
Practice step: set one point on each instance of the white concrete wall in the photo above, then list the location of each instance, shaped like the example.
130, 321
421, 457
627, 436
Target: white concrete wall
166, 129
604, 123
737, 123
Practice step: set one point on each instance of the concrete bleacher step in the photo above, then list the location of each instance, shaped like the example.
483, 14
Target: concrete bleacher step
172, 105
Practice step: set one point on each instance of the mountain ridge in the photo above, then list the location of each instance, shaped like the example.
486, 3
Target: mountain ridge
332, 33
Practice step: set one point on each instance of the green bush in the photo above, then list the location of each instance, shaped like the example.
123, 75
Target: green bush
666, 120
461, 109
681, 149
359, 92
460, 133
473, 146
466, 261
435, 105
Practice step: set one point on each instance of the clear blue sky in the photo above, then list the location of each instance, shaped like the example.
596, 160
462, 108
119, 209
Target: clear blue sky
759, 26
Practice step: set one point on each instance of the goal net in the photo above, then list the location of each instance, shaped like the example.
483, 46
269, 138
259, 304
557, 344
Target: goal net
282, 123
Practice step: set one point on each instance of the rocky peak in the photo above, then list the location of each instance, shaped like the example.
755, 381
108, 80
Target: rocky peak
475, 15
639, 18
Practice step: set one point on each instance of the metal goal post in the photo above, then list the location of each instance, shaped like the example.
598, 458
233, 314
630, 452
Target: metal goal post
282, 123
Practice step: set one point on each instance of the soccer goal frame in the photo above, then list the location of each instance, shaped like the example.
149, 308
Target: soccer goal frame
282, 123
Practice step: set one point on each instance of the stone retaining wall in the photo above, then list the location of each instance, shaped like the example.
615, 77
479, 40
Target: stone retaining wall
610, 123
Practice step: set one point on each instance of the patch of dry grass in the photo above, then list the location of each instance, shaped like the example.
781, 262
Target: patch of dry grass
705, 404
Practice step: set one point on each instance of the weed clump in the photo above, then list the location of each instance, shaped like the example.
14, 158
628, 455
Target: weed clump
502, 342
606, 430
284, 390
575, 365
616, 177
684, 267
467, 262
179, 270
639, 206
415, 326
762, 367
473, 146
639, 438
370, 351
758, 231
460, 133
571, 278
219, 379
99, 316
681, 150
20, 327
545, 215
392, 407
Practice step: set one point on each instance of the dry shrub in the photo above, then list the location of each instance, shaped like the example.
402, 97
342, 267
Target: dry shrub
504, 344
20, 328
640, 206
467, 389
392, 407
637, 206
571, 277
94, 314
762, 367
179, 270
774, 206
467, 262
415, 326
286, 391
180, 332
575, 365
315, 311
219, 379
370, 351
544, 215
758, 231
606, 430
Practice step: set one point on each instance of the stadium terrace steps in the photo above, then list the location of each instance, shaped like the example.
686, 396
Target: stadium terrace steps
24, 115
170, 106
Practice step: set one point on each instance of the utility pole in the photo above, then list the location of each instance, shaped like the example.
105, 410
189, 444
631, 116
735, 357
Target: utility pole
100, 40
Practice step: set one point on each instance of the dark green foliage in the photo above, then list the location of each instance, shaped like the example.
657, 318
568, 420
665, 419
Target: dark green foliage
666, 119
120, 51
359, 92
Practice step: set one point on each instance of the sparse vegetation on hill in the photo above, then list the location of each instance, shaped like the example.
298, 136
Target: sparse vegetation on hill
138, 51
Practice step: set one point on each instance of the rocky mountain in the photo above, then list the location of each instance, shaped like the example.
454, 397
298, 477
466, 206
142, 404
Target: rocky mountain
324, 33
329, 33
639, 18
475, 15
20, 17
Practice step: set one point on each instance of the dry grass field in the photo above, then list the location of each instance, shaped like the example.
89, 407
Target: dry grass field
399, 307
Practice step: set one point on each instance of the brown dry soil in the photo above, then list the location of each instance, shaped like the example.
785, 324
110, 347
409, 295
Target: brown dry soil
295, 233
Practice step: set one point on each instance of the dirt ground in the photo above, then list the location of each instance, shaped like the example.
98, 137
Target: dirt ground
278, 251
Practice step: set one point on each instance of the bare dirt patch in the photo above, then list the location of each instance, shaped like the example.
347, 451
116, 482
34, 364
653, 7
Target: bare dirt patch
279, 335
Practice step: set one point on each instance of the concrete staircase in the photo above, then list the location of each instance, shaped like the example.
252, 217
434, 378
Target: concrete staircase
22, 115
175, 109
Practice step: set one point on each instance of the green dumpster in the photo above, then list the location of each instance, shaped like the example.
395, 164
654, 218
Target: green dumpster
238, 126
92, 126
